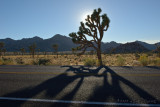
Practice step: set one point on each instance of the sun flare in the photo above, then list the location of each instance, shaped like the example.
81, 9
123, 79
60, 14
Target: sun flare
84, 15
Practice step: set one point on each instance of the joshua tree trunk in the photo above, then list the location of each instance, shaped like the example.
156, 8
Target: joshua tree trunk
99, 58
99, 54
57, 54
33, 54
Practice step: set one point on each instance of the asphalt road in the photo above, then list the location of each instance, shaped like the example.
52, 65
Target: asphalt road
70, 86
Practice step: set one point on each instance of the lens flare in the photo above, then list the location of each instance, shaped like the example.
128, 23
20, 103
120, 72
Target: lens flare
84, 15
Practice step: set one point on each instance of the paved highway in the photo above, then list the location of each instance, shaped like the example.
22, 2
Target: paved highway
70, 86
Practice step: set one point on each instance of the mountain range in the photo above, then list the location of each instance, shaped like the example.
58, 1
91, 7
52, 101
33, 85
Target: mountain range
65, 44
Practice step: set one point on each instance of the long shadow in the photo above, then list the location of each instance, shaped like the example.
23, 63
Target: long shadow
52, 87
142, 93
114, 91
154, 67
127, 67
83, 69
107, 92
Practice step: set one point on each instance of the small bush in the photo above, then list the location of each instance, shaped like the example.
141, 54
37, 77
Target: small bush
34, 62
136, 63
156, 62
6, 61
120, 61
149, 54
137, 56
43, 61
19, 61
89, 62
1, 62
144, 60
104, 61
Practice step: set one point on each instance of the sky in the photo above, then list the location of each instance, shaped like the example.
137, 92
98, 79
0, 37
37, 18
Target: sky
130, 19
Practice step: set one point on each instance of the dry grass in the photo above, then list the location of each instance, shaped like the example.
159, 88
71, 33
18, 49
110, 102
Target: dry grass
108, 60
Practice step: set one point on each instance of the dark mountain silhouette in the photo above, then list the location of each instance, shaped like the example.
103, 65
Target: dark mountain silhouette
65, 44
146, 45
131, 47
111, 44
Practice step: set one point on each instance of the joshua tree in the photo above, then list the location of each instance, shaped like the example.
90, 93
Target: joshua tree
55, 47
15, 53
38, 50
1, 48
94, 27
73, 51
45, 53
22, 51
4, 51
32, 49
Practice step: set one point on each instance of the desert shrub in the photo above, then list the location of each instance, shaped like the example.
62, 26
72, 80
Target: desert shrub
104, 61
34, 62
19, 61
144, 60
6, 61
120, 61
89, 62
137, 56
149, 54
1, 62
136, 63
156, 62
43, 61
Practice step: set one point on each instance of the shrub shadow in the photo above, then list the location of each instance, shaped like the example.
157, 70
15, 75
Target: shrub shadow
154, 67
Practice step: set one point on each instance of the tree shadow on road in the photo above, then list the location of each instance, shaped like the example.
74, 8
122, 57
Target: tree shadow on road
107, 92
116, 92
154, 67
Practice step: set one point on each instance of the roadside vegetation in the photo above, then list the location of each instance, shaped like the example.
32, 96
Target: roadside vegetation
86, 59
90, 62
120, 61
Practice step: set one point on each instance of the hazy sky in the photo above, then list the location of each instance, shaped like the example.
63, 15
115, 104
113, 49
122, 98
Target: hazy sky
130, 19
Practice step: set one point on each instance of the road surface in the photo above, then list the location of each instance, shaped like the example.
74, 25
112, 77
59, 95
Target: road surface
71, 86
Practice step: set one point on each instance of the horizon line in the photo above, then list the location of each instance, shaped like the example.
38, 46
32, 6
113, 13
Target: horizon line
122, 42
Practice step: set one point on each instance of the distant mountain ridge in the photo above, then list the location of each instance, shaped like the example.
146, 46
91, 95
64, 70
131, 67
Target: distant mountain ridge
131, 47
65, 44
148, 46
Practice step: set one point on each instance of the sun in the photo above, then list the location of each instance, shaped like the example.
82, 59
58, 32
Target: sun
84, 15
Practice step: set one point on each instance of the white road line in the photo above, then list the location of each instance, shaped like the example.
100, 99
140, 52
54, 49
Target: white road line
78, 102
